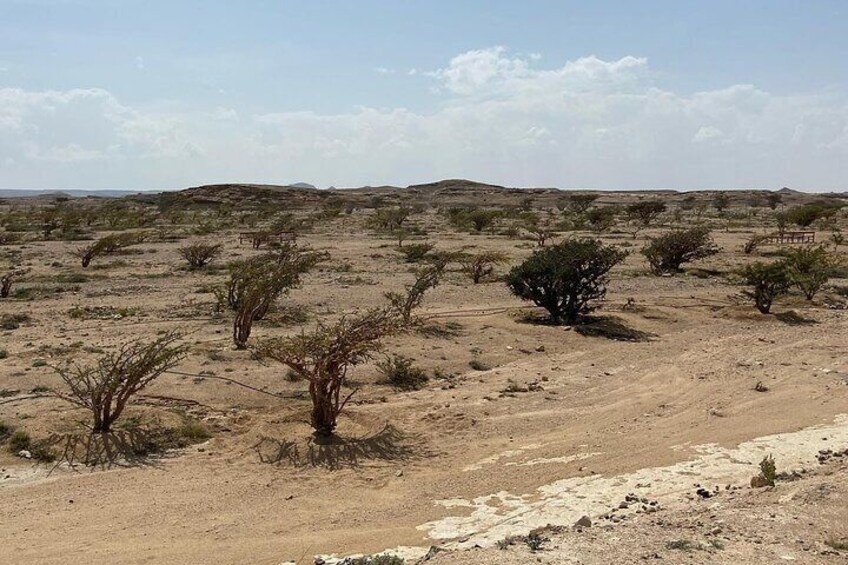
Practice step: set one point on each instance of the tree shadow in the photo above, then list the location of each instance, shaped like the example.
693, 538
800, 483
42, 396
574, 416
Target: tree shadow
793, 318
118, 448
336, 452
610, 327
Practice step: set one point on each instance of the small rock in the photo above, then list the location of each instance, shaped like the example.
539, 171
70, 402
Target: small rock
584, 522
25, 454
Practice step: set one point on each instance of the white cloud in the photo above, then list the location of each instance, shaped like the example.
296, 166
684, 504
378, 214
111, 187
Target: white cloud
139, 62
384, 71
588, 122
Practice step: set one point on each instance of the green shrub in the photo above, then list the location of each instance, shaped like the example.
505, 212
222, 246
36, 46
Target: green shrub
18, 441
810, 268
804, 215
768, 281
416, 252
400, 372
669, 251
565, 278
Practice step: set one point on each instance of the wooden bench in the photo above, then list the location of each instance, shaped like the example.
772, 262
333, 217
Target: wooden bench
792, 237
257, 238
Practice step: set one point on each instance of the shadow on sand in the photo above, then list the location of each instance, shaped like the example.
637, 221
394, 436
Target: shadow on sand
336, 452
118, 448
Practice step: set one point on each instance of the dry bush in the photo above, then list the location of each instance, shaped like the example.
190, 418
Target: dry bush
255, 284
324, 356
480, 265
564, 278
7, 279
106, 387
198, 255
753, 243
405, 303
669, 251
108, 244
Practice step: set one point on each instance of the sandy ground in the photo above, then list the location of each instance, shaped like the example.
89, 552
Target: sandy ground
459, 463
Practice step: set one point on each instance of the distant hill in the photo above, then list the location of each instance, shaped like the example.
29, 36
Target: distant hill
70, 193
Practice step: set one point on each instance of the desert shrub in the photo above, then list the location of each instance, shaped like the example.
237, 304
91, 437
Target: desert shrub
18, 441
768, 281
324, 356
198, 255
773, 199
753, 243
810, 268
13, 321
601, 219
6, 431
768, 470
721, 201
565, 278
3, 354
474, 218
805, 214
389, 219
380, 559
8, 238
400, 372
403, 304
254, 284
538, 231
416, 252
669, 251
480, 265
578, 203
108, 244
106, 387
837, 238
645, 212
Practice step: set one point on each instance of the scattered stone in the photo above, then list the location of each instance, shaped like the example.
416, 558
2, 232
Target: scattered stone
584, 522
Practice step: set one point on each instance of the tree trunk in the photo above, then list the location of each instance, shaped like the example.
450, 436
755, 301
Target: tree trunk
241, 327
324, 414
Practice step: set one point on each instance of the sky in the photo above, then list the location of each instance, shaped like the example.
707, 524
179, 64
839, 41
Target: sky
604, 94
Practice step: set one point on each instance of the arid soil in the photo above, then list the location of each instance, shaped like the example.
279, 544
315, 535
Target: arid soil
551, 425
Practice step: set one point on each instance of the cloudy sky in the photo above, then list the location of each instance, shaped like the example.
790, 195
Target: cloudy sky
606, 94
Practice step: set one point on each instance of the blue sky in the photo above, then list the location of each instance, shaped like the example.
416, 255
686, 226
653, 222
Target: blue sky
536, 93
